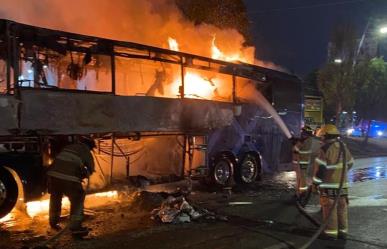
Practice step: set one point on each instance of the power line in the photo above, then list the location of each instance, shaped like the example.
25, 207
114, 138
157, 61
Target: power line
307, 6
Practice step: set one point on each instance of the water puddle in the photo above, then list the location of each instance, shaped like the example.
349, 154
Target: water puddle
367, 174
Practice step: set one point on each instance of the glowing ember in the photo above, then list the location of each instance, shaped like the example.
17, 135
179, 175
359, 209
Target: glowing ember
173, 45
110, 194
6, 218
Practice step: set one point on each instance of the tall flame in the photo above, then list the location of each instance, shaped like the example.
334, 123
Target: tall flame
195, 86
173, 45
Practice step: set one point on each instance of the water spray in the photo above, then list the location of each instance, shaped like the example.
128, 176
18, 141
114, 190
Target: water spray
251, 94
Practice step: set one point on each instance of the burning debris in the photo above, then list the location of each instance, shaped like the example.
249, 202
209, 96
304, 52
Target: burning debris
177, 210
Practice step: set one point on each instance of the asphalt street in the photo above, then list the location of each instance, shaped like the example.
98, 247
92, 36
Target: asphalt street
261, 216
368, 202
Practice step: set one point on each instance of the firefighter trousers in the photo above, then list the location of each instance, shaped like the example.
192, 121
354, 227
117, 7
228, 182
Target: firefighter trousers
338, 221
301, 175
74, 191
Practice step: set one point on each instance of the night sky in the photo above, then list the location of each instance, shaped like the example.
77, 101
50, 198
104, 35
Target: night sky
294, 36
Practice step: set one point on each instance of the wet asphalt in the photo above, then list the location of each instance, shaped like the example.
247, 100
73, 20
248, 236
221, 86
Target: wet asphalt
265, 217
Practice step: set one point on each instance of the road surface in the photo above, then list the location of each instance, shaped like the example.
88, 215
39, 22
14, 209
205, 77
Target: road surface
264, 217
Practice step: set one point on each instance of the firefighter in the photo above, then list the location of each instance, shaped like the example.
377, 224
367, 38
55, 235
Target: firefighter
329, 165
73, 164
306, 150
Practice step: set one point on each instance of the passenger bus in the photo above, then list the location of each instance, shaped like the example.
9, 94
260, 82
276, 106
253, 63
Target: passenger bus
153, 112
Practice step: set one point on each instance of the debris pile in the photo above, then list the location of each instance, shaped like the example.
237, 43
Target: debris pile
177, 210
146, 201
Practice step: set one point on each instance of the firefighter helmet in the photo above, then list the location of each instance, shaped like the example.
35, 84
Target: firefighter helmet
328, 129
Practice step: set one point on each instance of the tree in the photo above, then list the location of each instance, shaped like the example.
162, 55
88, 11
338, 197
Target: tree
371, 90
335, 79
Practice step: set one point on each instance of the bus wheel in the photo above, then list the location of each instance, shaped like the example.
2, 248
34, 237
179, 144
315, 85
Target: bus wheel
8, 192
222, 171
248, 170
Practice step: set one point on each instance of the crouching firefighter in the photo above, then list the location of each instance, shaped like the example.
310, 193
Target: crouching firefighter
73, 164
334, 157
305, 150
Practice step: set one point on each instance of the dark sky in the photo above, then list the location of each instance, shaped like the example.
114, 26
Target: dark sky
290, 34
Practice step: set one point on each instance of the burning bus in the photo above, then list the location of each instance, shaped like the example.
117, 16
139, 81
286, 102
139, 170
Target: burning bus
152, 111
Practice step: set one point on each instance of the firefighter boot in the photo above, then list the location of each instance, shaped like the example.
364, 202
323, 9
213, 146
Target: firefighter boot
55, 209
76, 228
342, 213
331, 228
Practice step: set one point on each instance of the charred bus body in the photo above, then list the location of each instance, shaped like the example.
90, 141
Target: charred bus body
138, 103
253, 143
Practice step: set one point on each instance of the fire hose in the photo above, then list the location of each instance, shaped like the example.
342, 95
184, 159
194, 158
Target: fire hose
337, 197
43, 245
323, 225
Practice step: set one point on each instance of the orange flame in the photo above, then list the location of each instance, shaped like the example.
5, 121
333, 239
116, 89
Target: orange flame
6, 218
36, 208
217, 54
173, 45
196, 86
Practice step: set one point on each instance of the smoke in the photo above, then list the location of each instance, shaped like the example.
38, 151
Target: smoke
270, 65
142, 21
148, 22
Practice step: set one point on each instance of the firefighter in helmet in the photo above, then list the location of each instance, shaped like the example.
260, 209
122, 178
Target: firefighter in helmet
73, 164
306, 150
334, 157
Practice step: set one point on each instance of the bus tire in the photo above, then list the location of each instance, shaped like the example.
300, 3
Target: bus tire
221, 172
8, 192
248, 170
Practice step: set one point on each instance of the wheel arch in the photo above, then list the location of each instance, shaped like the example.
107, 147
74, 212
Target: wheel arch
225, 154
20, 185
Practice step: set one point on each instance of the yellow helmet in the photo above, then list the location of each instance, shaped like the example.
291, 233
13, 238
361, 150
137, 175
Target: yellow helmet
328, 129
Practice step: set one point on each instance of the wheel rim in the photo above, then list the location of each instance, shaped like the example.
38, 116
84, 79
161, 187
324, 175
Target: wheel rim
3, 193
248, 171
222, 172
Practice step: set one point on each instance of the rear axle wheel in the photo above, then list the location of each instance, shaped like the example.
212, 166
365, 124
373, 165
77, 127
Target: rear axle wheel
8, 192
221, 172
248, 170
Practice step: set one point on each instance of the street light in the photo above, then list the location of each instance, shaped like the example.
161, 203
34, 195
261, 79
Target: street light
338, 61
383, 30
